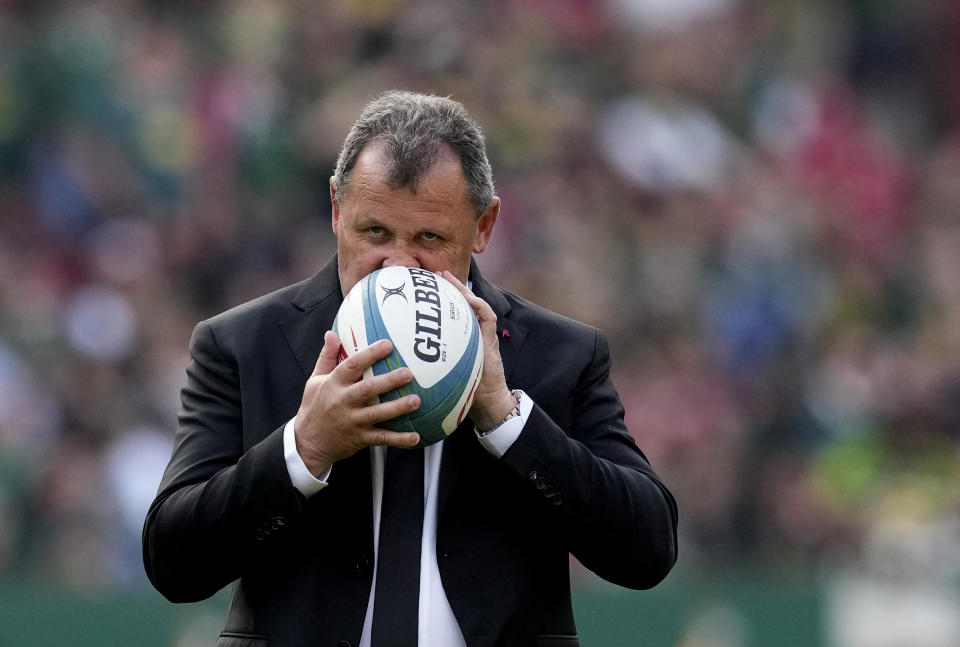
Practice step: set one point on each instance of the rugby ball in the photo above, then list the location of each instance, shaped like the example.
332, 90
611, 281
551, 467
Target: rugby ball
435, 334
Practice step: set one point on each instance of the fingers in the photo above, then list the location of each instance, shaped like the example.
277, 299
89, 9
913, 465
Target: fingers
391, 438
370, 416
327, 361
363, 391
376, 385
353, 367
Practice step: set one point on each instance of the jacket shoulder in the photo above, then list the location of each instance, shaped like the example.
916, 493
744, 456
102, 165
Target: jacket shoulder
271, 306
247, 324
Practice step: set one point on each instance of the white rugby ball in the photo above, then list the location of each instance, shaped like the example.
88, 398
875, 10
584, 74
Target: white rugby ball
435, 334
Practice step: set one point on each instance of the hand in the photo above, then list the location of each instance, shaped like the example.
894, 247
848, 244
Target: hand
493, 400
335, 419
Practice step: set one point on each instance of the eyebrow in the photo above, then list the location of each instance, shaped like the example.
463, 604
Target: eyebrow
363, 221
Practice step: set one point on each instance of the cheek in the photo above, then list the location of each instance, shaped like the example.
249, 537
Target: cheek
356, 260
453, 259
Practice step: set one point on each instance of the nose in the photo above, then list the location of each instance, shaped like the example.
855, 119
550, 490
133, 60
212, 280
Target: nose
400, 255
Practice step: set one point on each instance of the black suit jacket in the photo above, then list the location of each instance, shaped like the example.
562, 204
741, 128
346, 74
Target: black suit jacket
574, 482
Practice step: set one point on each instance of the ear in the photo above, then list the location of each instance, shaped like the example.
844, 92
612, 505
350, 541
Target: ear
335, 208
485, 226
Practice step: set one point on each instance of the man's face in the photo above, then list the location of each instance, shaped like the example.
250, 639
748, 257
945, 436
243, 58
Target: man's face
435, 228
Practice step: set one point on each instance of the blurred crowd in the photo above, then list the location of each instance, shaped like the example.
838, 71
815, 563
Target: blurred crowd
758, 201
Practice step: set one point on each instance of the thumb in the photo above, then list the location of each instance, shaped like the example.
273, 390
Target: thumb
329, 354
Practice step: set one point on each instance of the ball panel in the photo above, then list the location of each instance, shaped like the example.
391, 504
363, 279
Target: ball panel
384, 305
442, 406
459, 411
376, 329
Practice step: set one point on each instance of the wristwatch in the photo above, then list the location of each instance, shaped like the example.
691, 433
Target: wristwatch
514, 413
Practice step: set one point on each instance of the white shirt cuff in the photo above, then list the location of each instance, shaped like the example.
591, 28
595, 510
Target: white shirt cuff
300, 476
499, 439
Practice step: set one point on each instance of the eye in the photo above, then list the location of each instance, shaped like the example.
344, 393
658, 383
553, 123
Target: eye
430, 236
376, 230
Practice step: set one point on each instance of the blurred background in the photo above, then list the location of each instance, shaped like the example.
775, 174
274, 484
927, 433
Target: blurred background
758, 201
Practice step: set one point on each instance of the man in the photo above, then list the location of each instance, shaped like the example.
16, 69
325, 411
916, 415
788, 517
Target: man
281, 481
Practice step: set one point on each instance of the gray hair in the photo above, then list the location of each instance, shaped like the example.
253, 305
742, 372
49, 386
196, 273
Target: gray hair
412, 127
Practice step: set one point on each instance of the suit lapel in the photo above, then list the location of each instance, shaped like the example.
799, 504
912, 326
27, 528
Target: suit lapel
317, 302
510, 334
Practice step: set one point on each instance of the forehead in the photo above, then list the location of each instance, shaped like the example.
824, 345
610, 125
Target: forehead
443, 182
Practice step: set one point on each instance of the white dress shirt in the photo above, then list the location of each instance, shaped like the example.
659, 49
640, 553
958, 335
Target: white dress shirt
437, 626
